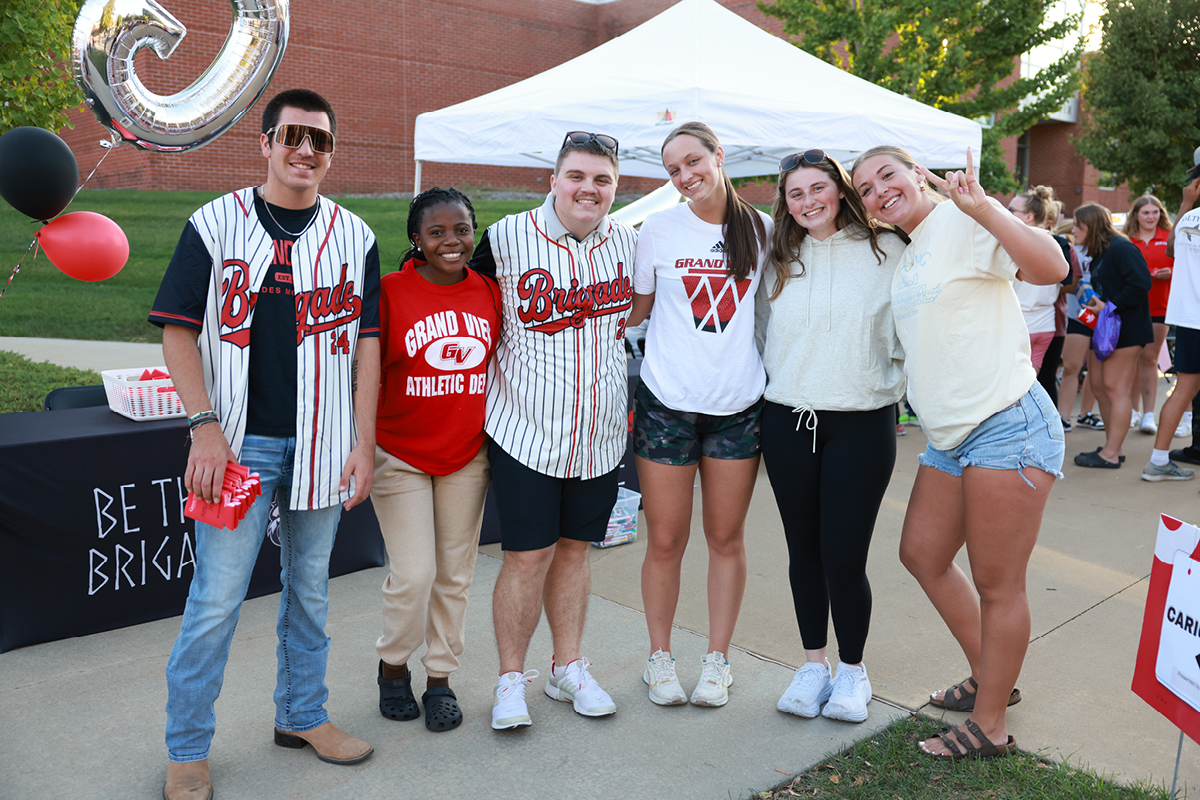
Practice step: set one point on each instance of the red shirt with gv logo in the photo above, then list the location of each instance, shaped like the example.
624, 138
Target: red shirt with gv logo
436, 341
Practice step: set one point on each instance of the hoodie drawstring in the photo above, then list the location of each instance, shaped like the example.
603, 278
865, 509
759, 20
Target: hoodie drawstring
812, 421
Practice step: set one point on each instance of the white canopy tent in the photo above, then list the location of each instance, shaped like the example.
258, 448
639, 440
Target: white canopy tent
764, 97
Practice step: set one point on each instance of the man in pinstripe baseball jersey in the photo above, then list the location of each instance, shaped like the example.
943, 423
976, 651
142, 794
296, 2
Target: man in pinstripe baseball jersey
270, 316
556, 414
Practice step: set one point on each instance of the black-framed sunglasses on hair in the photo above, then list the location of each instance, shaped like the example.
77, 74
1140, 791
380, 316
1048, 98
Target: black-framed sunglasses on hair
583, 137
814, 156
292, 136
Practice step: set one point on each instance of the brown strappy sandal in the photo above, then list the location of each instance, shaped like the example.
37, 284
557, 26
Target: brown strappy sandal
968, 749
957, 698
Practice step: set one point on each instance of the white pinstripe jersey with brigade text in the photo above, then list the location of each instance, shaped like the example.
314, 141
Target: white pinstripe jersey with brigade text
557, 396
328, 262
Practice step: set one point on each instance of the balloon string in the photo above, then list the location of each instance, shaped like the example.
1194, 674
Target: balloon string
32, 246
93, 172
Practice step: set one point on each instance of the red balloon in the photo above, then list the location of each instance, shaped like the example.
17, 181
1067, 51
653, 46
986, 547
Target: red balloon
85, 245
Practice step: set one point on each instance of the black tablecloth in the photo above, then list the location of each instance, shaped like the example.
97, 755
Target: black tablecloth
92, 532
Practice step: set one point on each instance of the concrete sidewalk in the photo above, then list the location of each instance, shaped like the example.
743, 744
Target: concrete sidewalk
83, 717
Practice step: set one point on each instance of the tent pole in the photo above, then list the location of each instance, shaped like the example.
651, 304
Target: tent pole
417, 179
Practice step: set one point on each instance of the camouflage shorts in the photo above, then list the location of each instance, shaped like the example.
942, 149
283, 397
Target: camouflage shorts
667, 436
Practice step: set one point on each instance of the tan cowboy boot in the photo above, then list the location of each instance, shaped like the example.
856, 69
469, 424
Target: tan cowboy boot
332, 744
187, 781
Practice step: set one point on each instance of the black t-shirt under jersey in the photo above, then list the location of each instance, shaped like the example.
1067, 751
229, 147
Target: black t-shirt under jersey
272, 368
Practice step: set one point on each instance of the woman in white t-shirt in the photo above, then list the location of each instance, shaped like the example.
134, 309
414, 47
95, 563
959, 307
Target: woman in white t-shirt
1033, 207
699, 402
995, 439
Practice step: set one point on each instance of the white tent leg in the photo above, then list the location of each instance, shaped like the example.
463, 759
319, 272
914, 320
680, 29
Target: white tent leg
417, 179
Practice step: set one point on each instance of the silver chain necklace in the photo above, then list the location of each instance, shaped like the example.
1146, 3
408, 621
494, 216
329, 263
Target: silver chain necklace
266, 204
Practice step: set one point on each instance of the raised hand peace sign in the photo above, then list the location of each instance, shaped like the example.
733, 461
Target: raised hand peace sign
963, 187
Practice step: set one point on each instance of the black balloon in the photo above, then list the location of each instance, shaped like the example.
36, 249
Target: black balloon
38, 172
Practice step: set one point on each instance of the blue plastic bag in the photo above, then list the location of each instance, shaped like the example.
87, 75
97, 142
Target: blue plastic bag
1108, 330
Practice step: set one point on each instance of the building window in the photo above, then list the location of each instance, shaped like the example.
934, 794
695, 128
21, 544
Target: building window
1022, 167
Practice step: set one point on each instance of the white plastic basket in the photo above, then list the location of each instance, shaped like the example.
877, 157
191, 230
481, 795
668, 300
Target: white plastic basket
622, 523
141, 400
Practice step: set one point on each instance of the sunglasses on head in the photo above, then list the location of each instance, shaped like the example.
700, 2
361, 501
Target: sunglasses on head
813, 156
583, 137
292, 136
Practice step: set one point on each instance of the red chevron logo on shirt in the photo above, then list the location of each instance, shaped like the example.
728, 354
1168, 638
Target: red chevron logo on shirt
715, 299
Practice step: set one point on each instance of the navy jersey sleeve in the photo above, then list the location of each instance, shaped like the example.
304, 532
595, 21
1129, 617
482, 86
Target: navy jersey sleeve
483, 261
369, 325
184, 290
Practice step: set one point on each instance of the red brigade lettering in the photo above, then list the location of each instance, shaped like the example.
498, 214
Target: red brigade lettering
238, 300
579, 302
313, 309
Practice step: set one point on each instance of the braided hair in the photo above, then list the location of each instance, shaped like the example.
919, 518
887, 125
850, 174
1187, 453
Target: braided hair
425, 201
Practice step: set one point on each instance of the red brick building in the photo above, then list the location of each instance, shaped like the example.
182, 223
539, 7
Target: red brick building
382, 63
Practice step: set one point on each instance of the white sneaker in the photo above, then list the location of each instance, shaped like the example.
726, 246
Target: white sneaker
1134, 418
577, 686
508, 707
715, 679
808, 691
849, 695
1185, 425
660, 677
1147, 424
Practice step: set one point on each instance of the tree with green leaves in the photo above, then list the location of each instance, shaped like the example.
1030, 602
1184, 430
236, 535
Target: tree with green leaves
36, 85
956, 55
1142, 95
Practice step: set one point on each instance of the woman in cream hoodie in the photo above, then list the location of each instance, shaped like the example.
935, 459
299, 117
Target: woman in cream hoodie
834, 374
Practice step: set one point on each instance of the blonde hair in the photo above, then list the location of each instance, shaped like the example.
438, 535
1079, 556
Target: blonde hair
1041, 203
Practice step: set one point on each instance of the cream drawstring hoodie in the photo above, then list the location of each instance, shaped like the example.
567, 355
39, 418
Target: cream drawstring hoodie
830, 341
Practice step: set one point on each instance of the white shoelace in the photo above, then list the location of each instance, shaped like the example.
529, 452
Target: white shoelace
519, 683
663, 668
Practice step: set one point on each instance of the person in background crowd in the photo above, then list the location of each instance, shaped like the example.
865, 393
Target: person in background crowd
1183, 311
832, 389
995, 440
1076, 343
698, 406
1147, 226
557, 415
1037, 207
1120, 277
286, 386
440, 322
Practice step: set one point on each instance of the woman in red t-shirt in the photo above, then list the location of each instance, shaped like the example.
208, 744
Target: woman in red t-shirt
440, 322
1148, 226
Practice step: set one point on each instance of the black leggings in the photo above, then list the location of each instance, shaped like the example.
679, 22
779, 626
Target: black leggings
829, 501
1048, 374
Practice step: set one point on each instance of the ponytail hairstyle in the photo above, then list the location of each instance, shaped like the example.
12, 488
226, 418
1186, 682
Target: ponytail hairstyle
742, 227
1100, 230
1131, 226
788, 234
1039, 201
425, 201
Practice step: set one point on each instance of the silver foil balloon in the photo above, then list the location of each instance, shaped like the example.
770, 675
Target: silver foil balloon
109, 33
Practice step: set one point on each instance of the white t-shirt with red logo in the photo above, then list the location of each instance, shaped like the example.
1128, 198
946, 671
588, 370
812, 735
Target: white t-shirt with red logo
701, 356
436, 344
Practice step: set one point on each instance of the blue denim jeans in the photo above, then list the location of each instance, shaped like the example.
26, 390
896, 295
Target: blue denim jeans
224, 561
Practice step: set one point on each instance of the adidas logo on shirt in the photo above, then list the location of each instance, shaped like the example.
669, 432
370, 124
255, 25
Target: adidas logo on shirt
719, 247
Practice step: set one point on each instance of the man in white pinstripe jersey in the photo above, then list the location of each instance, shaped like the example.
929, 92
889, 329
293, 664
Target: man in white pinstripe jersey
270, 316
557, 414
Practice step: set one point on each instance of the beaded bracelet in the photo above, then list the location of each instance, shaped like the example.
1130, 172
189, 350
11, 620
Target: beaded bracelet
194, 418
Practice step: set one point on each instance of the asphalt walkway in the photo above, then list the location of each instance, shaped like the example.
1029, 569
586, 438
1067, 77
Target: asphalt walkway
83, 718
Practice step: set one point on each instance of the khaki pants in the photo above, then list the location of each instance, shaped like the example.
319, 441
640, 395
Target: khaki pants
430, 526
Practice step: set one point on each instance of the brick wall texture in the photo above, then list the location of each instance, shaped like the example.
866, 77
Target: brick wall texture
387, 62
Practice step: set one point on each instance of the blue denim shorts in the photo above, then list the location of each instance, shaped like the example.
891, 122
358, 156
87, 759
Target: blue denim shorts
1028, 433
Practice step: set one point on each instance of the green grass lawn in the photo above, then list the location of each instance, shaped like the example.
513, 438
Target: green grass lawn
888, 766
44, 302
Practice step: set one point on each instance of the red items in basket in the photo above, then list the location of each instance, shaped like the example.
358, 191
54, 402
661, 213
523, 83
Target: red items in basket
153, 375
239, 490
